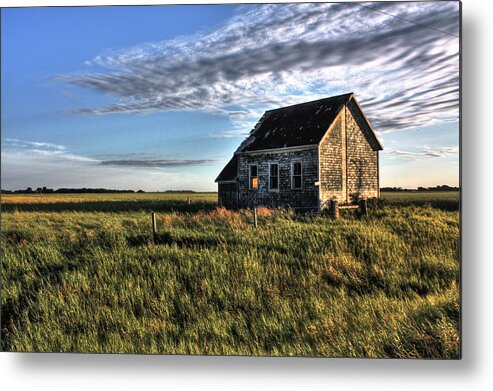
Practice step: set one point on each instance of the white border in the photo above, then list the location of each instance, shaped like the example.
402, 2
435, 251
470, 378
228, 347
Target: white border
473, 372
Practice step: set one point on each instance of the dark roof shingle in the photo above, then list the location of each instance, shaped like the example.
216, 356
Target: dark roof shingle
229, 171
297, 125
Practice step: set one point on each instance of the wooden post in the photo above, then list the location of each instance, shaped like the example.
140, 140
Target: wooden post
334, 209
255, 217
153, 225
189, 201
363, 207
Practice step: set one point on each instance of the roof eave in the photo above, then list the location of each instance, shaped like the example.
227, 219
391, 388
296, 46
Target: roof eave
278, 149
379, 143
226, 180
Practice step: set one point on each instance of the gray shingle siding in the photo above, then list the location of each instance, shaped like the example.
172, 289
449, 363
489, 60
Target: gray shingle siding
285, 196
228, 194
332, 175
362, 160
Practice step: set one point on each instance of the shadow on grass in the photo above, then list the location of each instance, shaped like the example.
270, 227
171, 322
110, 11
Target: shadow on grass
445, 205
111, 206
168, 239
202, 242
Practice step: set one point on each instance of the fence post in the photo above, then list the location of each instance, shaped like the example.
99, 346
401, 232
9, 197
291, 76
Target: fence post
153, 225
255, 217
363, 207
334, 206
189, 201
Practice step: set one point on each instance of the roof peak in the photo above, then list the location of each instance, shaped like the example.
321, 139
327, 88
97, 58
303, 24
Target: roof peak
348, 94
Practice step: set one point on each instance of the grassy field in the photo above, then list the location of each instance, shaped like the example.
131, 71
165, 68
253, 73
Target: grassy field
83, 273
446, 200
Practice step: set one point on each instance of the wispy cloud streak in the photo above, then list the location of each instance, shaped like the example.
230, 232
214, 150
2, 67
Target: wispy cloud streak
23, 144
61, 154
425, 152
54, 152
404, 74
158, 162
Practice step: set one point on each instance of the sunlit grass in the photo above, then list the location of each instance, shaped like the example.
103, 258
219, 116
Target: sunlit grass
210, 283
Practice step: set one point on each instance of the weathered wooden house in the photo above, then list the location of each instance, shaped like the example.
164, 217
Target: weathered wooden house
303, 156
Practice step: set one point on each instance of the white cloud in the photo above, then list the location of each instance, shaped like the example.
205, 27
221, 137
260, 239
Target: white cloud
231, 134
424, 153
23, 144
404, 74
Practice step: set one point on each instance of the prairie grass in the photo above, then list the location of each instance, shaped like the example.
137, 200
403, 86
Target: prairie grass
90, 279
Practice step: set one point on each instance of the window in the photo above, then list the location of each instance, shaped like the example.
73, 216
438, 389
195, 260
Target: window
296, 175
253, 177
273, 176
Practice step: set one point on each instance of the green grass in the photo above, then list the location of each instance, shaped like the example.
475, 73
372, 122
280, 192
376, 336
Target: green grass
94, 280
109, 202
447, 200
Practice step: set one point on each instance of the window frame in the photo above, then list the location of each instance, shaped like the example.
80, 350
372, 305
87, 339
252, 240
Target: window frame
250, 177
293, 175
275, 189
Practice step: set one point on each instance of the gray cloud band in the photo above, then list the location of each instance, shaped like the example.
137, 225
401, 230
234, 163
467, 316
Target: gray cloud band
157, 163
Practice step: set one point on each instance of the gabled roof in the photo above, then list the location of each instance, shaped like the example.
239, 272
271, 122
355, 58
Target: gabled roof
229, 171
298, 125
364, 124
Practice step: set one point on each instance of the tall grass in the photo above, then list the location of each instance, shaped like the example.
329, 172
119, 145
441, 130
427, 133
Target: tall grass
210, 283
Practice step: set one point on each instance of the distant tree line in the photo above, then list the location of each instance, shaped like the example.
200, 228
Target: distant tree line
46, 190
65, 190
436, 188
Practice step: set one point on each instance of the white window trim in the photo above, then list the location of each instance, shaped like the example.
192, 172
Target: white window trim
278, 177
250, 177
292, 175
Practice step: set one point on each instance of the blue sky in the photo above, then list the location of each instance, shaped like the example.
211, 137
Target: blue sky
159, 97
